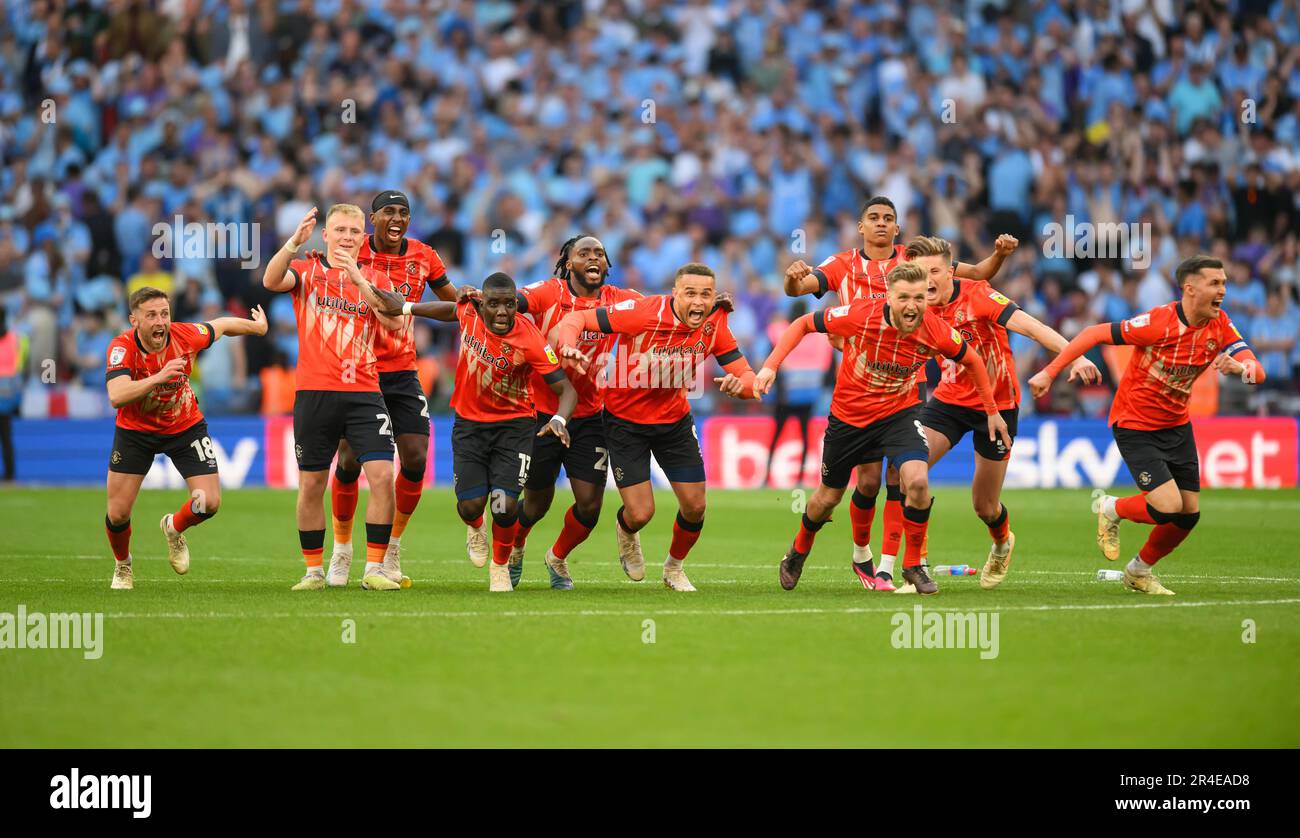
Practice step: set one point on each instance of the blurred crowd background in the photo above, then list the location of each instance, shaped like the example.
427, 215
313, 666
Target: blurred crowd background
740, 133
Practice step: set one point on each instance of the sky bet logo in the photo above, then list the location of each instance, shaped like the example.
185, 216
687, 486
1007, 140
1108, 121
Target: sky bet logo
93, 791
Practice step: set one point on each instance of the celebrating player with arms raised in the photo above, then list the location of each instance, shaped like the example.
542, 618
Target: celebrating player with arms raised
148, 379
496, 421
875, 409
857, 274
667, 338
982, 316
578, 284
411, 266
337, 387
1173, 344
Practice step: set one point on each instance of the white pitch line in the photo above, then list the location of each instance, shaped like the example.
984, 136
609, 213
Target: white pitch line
903, 603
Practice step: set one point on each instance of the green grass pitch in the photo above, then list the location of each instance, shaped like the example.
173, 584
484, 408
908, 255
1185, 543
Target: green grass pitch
228, 656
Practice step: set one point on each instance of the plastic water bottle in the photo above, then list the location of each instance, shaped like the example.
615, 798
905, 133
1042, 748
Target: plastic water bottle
1105, 575
953, 570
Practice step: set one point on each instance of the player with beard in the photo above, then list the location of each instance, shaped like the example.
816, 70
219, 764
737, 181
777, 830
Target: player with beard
411, 266
148, 380
983, 317
496, 418
1173, 344
578, 284
876, 406
666, 338
859, 273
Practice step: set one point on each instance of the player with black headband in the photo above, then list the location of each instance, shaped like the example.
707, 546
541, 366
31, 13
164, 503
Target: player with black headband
411, 266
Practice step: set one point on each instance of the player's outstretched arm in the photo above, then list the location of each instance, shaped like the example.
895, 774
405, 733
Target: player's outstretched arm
122, 390
443, 310
277, 277
254, 324
790, 338
1053, 341
974, 365
1005, 245
573, 324
1087, 339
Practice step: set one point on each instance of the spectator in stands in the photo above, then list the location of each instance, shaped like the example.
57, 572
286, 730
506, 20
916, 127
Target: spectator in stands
510, 130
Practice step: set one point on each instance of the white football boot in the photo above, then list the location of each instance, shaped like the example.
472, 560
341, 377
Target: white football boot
178, 552
629, 553
340, 567
477, 544
123, 580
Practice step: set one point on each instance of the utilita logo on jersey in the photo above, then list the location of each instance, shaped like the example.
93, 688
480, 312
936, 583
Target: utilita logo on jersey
659, 367
108, 791
342, 305
473, 344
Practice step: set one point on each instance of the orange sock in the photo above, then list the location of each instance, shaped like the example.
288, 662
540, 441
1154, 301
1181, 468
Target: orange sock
862, 510
808, 529
915, 523
407, 496
685, 534
523, 526
186, 517
1000, 528
1134, 508
119, 538
893, 521
344, 489
503, 539
1161, 542
574, 533
377, 536
313, 546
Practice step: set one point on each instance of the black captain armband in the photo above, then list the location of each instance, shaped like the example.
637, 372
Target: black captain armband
728, 357
1117, 333
435, 284
602, 320
819, 321
823, 284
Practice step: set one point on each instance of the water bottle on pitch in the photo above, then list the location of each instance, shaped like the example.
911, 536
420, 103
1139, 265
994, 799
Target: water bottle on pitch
1105, 575
953, 570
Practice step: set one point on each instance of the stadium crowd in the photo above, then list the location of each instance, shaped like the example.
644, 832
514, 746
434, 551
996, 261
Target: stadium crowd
743, 134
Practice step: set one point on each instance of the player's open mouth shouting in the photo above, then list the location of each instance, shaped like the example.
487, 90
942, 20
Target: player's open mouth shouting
909, 316
392, 221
